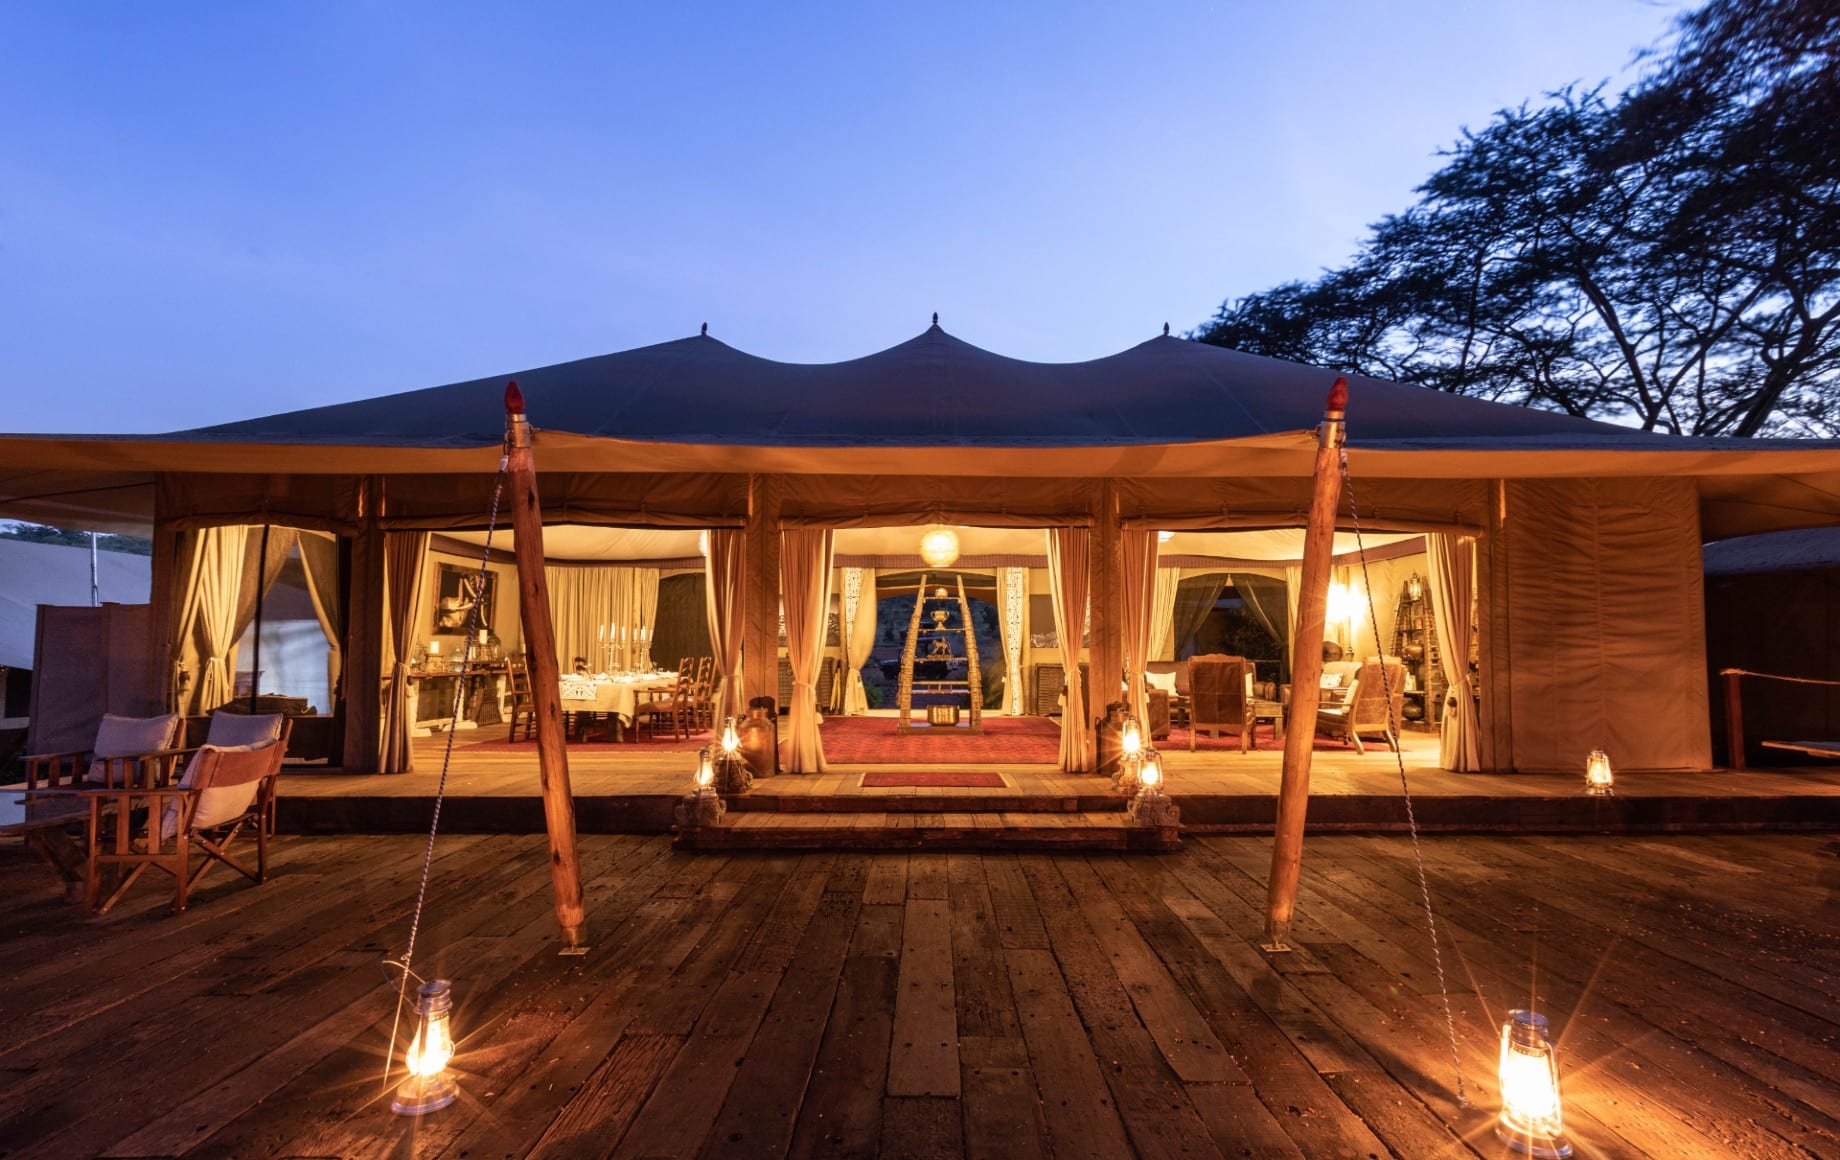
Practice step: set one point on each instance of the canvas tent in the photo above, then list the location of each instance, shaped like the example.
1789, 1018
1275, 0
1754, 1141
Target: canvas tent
1586, 535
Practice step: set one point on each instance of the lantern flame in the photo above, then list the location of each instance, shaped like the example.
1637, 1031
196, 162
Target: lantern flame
1131, 738
731, 740
1150, 777
705, 769
1530, 1120
429, 1088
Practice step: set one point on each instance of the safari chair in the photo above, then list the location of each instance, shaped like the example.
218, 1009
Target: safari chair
227, 790
1374, 704
126, 750
523, 705
1220, 697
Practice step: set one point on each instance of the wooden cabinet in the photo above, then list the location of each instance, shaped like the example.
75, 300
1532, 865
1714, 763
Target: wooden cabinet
1050, 679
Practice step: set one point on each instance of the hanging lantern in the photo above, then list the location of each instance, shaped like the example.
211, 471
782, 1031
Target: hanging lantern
429, 1088
939, 546
705, 769
731, 738
1599, 779
1131, 738
1150, 773
1530, 1120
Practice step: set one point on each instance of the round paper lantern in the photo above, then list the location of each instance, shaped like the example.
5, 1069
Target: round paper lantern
939, 546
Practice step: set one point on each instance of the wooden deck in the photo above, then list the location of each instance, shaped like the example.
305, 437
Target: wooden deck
938, 1005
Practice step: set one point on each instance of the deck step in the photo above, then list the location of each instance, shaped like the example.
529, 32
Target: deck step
997, 830
925, 801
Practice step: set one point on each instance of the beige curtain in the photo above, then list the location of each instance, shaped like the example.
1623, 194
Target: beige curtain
1451, 562
259, 571
805, 581
404, 556
1293, 588
1163, 615
1013, 595
724, 567
206, 632
599, 611
859, 616
319, 559
1139, 550
1069, 551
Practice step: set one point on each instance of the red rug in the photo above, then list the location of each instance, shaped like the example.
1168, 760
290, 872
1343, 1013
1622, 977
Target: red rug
1005, 741
953, 780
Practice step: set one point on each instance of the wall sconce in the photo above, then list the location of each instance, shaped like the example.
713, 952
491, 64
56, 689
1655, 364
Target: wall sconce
1599, 778
939, 546
1530, 1120
429, 1088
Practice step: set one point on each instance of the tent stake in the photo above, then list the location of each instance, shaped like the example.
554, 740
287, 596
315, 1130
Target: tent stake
545, 680
1306, 672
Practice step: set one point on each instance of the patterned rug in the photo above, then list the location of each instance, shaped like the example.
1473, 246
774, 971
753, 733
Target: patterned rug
954, 779
1005, 741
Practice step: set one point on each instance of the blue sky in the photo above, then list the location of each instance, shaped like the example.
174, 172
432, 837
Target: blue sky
209, 212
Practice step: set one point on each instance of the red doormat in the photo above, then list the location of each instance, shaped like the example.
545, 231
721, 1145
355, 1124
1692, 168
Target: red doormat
950, 780
1005, 741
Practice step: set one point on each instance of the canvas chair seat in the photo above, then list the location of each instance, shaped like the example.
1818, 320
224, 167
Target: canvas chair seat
227, 790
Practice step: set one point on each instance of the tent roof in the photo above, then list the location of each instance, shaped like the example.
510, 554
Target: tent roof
933, 390
32, 574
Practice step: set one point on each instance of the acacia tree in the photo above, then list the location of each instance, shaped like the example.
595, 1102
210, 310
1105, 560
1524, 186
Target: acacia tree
1669, 259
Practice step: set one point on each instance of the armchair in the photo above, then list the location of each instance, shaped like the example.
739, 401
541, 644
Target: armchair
1374, 704
1220, 697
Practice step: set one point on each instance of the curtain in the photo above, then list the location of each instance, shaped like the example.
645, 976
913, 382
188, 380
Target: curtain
404, 554
1013, 595
1195, 598
1162, 615
723, 570
1069, 550
1265, 597
259, 571
1293, 588
859, 624
805, 579
1452, 567
1139, 550
207, 618
319, 559
599, 612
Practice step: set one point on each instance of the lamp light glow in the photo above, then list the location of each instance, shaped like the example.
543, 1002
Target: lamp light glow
1165, 537
1599, 778
1150, 774
731, 737
1531, 1121
705, 769
939, 546
429, 1088
1131, 737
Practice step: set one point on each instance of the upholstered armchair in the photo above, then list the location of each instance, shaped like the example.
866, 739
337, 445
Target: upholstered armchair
1220, 697
1373, 705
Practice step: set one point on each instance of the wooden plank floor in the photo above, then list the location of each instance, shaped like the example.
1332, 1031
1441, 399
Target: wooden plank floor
850, 1004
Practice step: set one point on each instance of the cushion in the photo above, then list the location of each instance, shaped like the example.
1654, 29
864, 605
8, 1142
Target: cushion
1331, 681
215, 806
1163, 681
241, 730
127, 736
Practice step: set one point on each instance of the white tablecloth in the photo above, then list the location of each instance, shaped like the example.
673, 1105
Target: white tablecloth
618, 695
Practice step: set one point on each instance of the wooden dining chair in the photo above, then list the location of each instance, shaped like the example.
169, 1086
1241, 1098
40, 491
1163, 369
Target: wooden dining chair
523, 716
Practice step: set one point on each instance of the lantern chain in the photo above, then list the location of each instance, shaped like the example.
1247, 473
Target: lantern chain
1418, 855
447, 756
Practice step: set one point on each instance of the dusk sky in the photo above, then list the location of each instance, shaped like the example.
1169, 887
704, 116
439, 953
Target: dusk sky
209, 212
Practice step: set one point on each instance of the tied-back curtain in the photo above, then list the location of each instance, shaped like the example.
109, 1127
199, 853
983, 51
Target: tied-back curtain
1013, 592
1195, 598
1265, 596
404, 554
1163, 615
207, 617
1451, 563
1139, 550
594, 605
1293, 591
805, 580
319, 559
859, 623
1069, 551
259, 571
723, 569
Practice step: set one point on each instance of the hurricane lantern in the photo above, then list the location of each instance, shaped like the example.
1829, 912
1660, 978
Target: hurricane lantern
1415, 589
1599, 778
1131, 737
429, 1088
705, 769
1530, 1121
939, 546
731, 738
1150, 773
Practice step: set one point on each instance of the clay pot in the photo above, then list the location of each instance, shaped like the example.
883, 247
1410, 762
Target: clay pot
759, 732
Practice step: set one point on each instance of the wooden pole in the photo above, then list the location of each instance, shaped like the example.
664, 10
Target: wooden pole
1734, 719
1306, 671
545, 680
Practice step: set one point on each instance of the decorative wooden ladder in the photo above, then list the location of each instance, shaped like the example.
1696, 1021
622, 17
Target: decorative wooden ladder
974, 686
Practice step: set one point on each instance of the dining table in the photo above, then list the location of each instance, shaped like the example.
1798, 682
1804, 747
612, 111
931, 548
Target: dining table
614, 694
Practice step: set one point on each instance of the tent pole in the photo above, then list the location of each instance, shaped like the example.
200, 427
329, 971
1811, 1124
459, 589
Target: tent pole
1306, 671
545, 680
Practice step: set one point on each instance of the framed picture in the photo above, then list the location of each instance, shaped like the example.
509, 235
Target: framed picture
457, 590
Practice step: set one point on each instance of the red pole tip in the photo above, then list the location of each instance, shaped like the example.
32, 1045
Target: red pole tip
514, 398
1338, 394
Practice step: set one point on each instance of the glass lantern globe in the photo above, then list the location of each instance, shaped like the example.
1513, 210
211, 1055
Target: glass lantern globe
429, 1088
939, 546
1530, 1122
